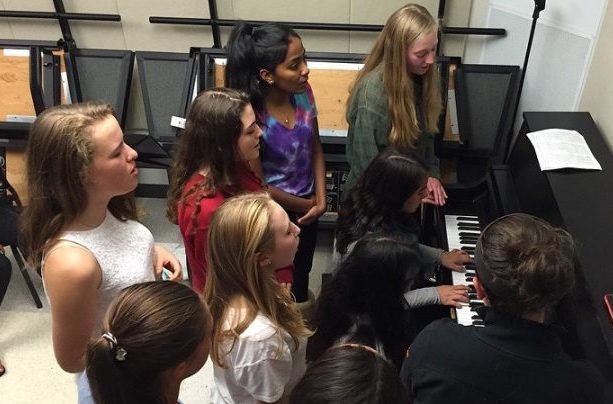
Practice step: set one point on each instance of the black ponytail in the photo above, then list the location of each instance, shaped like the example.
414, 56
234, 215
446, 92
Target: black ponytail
251, 49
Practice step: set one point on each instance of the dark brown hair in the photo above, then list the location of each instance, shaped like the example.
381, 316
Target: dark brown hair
159, 325
525, 264
209, 142
350, 373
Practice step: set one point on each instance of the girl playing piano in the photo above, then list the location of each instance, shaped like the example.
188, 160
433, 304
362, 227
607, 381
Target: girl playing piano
385, 199
363, 301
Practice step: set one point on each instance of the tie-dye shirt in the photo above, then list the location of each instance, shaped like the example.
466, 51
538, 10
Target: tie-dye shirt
287, 153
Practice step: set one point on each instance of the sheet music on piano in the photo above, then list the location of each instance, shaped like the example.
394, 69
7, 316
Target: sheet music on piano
562, 148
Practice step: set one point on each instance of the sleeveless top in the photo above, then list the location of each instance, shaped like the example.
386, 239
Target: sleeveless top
124, 252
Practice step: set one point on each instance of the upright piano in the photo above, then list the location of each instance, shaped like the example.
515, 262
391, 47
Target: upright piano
581, 201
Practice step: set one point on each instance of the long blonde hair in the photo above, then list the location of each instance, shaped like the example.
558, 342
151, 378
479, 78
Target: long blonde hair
401, 30
240, 229
58, 157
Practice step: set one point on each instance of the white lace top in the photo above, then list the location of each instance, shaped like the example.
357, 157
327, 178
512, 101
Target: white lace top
125, 254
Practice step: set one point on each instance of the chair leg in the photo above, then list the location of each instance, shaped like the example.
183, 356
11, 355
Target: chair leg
26, 276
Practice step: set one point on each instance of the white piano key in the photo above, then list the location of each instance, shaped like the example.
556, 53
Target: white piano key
464, 314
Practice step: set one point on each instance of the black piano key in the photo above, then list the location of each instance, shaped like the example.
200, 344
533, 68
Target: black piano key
470, 267
469, 279
468, 249
468, 218
467, 223
475, 304
465, 234
475, 317
478, 322
472, 296
468, 227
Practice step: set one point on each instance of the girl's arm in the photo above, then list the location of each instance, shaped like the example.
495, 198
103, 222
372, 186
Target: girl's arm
287, 201
319, 173
72, 278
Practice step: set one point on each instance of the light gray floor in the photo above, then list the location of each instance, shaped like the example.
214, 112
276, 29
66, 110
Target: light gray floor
25, 331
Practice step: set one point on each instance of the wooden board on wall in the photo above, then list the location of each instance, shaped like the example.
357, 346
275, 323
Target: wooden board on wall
15, 84
16, 99
330, 83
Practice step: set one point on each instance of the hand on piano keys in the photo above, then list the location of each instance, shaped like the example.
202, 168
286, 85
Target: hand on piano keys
453, 295
462, 234
455, 259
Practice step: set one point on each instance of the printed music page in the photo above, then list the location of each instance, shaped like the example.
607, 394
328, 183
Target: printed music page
562, 148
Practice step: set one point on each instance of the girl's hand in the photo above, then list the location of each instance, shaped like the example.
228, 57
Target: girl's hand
453, 295
436, 192
287, 288
455, 260
165, 260
312, 214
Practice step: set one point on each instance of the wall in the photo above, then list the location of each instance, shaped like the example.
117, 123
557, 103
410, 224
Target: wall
597, 97
561, 51
136, 33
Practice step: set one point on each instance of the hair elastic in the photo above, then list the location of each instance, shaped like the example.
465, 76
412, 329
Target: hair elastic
120, 353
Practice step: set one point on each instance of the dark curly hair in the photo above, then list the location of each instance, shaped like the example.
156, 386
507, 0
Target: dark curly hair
377, 199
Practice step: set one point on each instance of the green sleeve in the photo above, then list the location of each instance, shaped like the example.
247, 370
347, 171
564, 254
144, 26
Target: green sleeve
369, 126
430, 159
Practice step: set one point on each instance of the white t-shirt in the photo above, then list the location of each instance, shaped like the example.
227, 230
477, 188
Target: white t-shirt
262, 365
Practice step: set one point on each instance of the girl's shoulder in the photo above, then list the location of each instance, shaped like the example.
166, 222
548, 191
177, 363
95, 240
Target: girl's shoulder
305, 99
370, 91
260, 329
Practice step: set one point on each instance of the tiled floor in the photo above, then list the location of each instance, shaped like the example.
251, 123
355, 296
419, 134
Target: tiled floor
25, 331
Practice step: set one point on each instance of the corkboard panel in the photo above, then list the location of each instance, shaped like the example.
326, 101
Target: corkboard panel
330, 88
15, 84
16, 99
16, 173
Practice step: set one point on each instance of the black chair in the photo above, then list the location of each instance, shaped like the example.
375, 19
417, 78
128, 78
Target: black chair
10, 207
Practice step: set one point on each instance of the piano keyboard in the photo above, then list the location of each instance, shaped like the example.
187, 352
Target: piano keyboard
462, 234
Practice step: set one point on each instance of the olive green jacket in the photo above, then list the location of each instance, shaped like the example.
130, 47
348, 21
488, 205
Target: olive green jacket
370, 124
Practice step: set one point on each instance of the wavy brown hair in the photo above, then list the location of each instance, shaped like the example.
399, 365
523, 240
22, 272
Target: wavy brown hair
209, 143
58, 157
240, 229
401, 30
525, 265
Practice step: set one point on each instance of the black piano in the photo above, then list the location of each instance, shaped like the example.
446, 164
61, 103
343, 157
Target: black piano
580, 201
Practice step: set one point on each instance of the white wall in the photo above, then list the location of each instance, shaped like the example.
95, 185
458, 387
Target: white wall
597, 97
561, 51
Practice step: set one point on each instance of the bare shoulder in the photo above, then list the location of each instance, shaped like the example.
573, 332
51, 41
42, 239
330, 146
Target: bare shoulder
69, 262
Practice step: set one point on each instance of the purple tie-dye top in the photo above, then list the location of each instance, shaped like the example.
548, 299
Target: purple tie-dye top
287, 153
